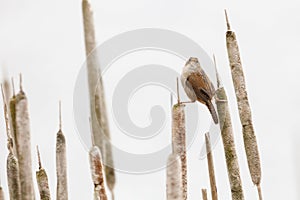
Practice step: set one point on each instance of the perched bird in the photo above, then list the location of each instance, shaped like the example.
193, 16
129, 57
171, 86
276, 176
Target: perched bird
197, 86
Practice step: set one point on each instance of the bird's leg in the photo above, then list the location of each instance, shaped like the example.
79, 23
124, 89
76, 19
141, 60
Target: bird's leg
185, 102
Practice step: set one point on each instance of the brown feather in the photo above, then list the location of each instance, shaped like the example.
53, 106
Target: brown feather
201, 86
204, 91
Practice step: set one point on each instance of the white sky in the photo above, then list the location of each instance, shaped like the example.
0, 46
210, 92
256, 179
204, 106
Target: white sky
44, 41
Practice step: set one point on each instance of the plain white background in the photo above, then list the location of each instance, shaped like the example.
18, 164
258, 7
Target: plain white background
44, 41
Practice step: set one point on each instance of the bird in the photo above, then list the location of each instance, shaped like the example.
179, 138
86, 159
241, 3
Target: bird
198, 86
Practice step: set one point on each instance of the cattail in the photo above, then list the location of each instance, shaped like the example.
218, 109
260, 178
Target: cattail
61, 163
174, 178
179, 139
12, 117
13, 178
239, 83
42, 180
97, 173
12, 165
100, 127
204, 194
23, 144
211, 169
232, 164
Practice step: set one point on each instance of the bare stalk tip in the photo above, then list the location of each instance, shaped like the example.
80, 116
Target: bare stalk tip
2, 91
13, 86
21, 82
39, 157
177, 86
217, 73
171, 100
60, 120
227, 21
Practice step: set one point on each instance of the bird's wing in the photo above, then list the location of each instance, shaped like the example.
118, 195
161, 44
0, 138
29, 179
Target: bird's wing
188, 89
201, 86
208, 84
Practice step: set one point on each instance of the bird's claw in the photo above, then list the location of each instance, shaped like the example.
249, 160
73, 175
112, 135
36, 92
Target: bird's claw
220, 100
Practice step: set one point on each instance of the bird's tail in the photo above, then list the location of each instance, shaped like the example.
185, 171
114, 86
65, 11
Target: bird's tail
212, 111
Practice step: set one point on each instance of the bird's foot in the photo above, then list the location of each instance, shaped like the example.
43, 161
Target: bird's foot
186, 102
220, 100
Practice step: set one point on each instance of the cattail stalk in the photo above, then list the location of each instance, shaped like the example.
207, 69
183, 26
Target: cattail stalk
100, 126
239, 83
61, 163
174, 178
231, 158
97, 173
6, 91
179, 139
42, 180
211, 170
23, 144
13, 177
204, 194
12, 118
12, 165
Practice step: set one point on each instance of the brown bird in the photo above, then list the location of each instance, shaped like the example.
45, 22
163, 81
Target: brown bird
197, 86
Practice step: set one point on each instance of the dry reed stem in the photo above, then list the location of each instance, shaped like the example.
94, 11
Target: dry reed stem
239, 83
179, 141
6, 99
100, 127
97, 173
61, 164
12, 118
12, 165
13, 177
23, 144
211, 170
42, 180
6, 118
6, 91
231, 158
174, 178
179, 138
204, 194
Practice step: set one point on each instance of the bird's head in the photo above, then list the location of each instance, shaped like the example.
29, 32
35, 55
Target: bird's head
193, 62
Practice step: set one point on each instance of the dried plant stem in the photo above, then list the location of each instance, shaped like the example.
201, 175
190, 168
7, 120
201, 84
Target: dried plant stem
239, 83
231, 158
174, 178
100, 127
204, 194
42, 180
7, 94
211, 169
12, 165
61, 164
97, 173
13, 178
12, 119
23, 145
179, 141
